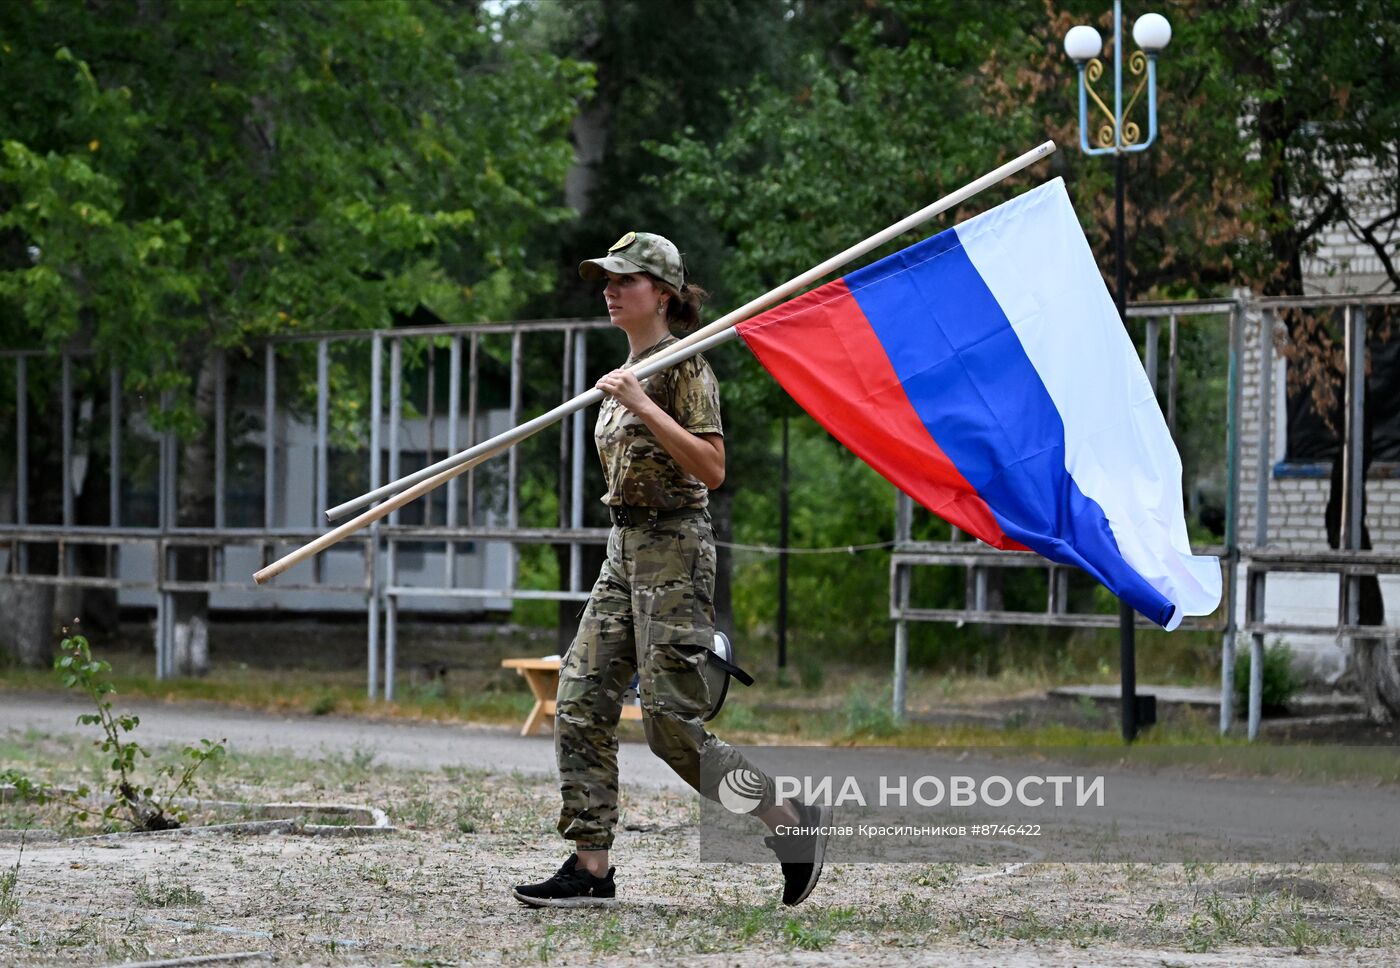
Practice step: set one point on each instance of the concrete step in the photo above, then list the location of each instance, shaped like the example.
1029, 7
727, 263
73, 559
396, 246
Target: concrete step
1305, 704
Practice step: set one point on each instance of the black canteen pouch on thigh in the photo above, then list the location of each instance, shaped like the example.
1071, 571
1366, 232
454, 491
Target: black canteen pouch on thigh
720, 667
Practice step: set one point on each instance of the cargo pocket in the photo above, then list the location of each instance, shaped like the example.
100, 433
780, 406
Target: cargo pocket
678, 681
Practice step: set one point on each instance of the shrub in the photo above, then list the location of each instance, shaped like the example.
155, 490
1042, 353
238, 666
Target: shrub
869, 717
1280, 681
811, 672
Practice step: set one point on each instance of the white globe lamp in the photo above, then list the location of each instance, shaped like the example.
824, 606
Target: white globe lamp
1151, 32
1084, 43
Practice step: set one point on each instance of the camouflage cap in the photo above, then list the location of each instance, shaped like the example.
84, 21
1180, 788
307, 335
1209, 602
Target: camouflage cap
639, 252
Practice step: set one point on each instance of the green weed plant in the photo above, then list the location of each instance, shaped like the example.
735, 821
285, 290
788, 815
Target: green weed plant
128, 799
9, 889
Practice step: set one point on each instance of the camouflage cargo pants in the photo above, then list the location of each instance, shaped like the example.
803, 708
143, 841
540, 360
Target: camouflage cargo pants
651, 612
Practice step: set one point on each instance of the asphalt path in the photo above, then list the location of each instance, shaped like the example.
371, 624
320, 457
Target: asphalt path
421, 746
1159, 806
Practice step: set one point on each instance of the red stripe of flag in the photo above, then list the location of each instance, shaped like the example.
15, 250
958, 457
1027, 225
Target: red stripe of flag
822, 350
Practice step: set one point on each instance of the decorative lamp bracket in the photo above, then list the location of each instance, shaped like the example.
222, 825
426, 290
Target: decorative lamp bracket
1116, 131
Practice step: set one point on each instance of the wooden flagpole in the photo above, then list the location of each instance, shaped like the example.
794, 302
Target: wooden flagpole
720, 331
335, 535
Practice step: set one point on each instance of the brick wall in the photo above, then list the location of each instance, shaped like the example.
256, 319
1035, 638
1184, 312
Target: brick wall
1342, 262
1295, 517
1295, 521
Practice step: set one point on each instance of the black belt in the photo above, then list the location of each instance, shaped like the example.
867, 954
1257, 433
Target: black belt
626, 515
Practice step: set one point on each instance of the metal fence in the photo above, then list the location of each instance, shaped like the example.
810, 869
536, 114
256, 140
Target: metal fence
143, 555
1248, 319
140, 554
1348, 563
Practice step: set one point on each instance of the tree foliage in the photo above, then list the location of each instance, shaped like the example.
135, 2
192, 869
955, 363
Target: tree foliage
915, 97
185, 175
901, 101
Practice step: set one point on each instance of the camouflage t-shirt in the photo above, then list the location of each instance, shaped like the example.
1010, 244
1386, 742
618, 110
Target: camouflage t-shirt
636, 468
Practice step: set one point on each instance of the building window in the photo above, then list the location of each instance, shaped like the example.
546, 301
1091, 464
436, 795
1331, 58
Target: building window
1313, 440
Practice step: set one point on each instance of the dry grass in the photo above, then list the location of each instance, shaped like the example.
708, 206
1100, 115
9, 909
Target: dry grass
437, 892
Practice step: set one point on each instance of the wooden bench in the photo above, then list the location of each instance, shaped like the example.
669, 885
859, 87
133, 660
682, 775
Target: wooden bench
542, 676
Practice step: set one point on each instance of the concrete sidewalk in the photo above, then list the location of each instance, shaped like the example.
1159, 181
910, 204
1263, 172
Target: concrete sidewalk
423, 746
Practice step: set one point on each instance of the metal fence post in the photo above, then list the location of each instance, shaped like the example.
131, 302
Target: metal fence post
1173, 324
513, 461
323, 430
376, 380
430, 418
164, 611
1149, 356
395, 411
114, 454
66, 410
1254, 603
269, 434
1354, 465
454, 413
576, 464
473, 381
391, 615
565, 392
220, 440
1232, 495
899, 593
1255, 597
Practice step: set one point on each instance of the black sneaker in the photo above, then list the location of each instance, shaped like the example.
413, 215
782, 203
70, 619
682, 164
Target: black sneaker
571, 886
802, 854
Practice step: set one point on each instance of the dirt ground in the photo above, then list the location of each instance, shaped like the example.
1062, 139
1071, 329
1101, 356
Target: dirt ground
435, 891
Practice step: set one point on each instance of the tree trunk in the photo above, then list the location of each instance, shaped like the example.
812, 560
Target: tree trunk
68, 605
195, 507
26, 623
1370, 663
1378, 679
590, 133
191, 633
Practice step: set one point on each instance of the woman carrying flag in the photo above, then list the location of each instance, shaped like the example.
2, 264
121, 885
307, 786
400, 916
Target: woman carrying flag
651, 611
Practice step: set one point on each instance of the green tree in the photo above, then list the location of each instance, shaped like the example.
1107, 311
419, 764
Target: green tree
903, 100
662, 67
1317, 103
887, 111
186, 176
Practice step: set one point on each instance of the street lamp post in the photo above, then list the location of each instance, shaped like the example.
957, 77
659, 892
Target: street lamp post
1118, 136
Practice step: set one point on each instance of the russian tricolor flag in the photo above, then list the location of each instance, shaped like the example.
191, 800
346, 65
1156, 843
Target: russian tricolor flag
985, 372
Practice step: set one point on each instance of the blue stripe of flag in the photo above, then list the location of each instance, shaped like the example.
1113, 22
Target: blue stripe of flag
982, 400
